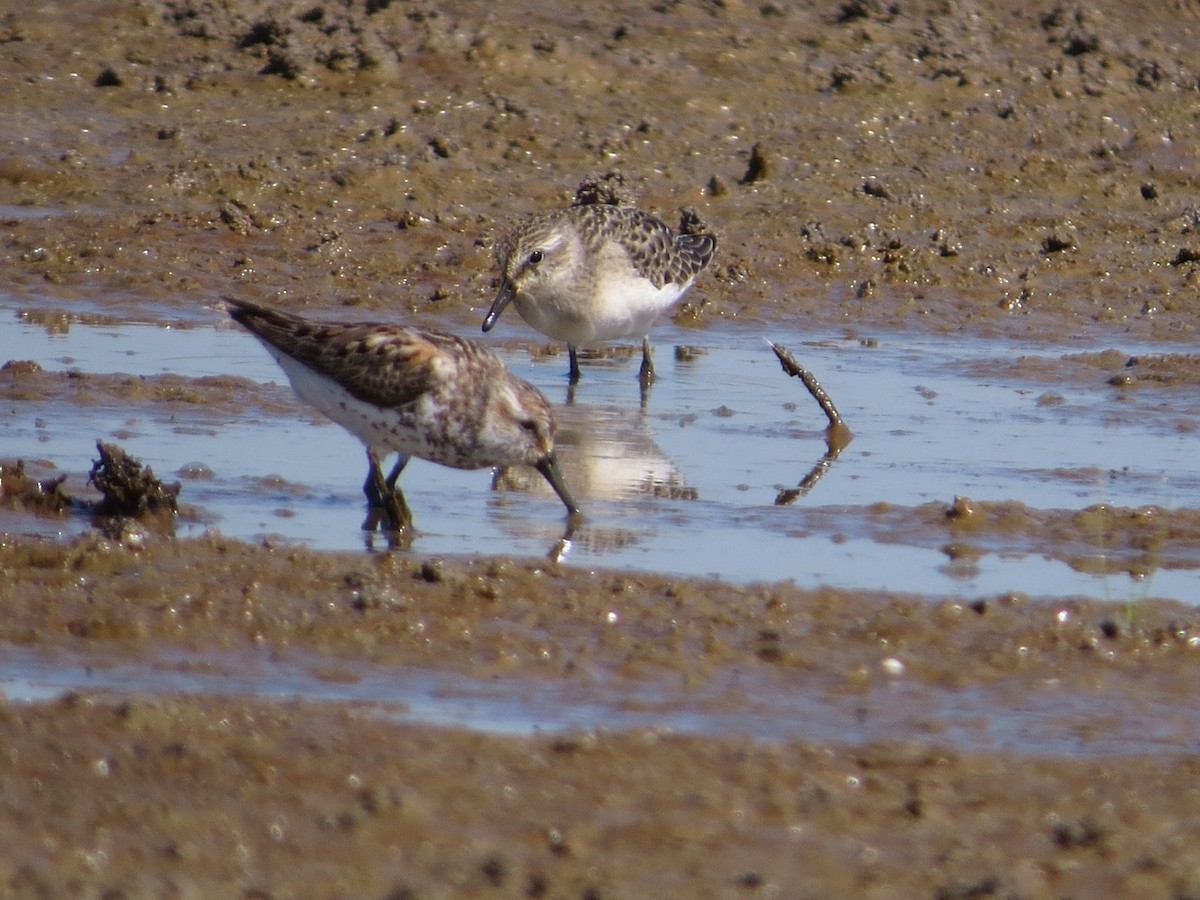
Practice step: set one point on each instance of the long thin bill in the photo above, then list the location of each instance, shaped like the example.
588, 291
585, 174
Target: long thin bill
550, 470
503, 297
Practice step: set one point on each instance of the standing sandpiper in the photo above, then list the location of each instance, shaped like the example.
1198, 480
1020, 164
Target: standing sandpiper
597, 272
419, 393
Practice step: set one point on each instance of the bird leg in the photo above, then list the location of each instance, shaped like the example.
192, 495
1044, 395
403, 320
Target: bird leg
401, 462
573, 372
382, 493
646, 372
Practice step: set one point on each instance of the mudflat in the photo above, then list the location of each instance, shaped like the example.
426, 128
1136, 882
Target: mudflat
976, 168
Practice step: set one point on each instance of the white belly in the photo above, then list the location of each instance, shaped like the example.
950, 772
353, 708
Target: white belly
619, 308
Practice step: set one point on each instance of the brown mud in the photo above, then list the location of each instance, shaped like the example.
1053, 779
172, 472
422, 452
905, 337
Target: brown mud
1023, 170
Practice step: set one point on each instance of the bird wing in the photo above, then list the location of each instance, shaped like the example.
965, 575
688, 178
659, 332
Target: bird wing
655, 249
386, 365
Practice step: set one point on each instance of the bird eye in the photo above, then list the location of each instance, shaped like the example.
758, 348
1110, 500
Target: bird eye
528, 425
535, 257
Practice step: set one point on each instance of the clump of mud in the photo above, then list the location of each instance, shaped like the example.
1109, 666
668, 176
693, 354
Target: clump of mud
129, 489
604, 187
610, 188
18, 489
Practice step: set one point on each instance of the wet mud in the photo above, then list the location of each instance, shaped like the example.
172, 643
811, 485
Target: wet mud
983, 169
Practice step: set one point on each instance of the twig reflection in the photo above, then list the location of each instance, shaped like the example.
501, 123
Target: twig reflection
837, 436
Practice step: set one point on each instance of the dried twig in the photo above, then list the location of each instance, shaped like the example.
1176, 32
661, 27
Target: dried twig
792, 367
837, 435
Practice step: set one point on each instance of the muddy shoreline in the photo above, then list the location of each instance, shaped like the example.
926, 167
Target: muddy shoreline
191, 794
948, 167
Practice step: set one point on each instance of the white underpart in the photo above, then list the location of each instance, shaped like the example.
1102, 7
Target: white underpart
617, 303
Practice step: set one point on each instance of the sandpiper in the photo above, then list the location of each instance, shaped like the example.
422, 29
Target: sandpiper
596, 272
418, 393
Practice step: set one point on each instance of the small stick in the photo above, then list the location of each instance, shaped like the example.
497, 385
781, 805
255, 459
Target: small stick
792, 367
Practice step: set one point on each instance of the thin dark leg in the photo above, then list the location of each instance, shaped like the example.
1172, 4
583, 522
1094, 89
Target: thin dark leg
371, 487
646, 372
401, 462
382, 493
573, 373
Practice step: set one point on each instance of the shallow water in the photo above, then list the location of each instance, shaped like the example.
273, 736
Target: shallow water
1050, 720
686, 484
